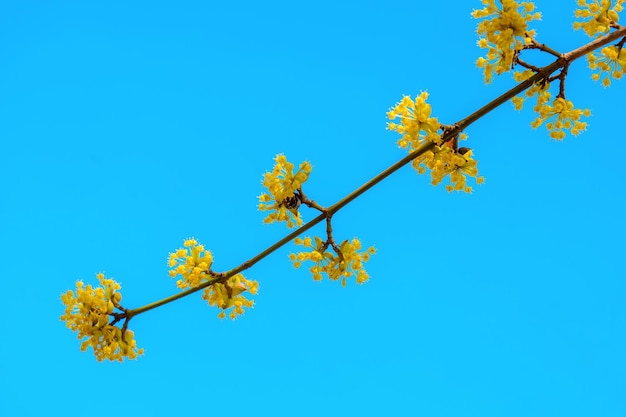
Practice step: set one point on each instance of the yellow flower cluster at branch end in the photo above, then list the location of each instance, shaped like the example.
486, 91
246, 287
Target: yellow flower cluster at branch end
612, 63
282, 184
598, 16
88, 310
415, 123
347, 262
504, 32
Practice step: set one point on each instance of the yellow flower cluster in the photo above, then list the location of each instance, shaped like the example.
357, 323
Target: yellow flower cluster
520, 76
348, 261
192, 263
612, 64
537, 89
562, 110
87, 311
417, 128
282, 184
229, 295
600, 15
565, 116
504, 32
415, 125
443, 161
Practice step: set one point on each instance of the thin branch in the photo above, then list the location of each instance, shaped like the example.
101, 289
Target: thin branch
563, 61
543, 47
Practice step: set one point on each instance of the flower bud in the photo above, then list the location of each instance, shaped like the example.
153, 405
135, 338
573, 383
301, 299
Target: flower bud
129, 335
117, 297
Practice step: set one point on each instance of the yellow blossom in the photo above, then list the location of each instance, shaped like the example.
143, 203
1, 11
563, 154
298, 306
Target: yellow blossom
415, 122
611, 64
443, 161
229, 295
89, 310
538, 89
558, 116
192, 263
282, 199
597, 16
417, 128
347, 261
503, 32
520, 76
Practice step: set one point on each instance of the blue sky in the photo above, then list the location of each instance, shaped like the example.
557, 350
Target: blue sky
127, 127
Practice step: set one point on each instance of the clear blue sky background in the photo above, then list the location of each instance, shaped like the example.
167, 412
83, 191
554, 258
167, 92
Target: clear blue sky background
127, 127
